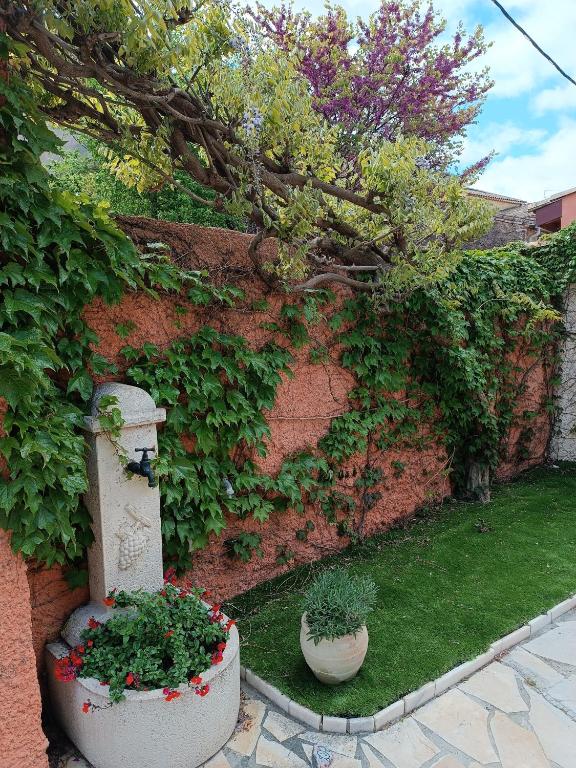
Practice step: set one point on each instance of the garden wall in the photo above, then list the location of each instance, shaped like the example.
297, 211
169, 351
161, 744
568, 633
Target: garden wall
22, 741
304, 406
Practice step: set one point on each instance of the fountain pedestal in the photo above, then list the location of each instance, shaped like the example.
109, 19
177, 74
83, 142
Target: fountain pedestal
142, 731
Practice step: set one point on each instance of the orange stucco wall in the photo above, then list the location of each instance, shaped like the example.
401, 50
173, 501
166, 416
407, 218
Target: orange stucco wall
304, 406
22, 741
568, 209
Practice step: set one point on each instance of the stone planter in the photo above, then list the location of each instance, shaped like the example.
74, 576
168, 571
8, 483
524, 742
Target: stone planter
334, 661
144, 730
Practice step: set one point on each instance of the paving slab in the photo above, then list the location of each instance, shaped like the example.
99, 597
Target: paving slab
559, 644
555, 731
517, 746
404, 744
497, 685
455, 718
282, 727
371, 757
564, 693
249, 727
343, 745
340, 761
448, 761
274, 755
218, 761
532, 668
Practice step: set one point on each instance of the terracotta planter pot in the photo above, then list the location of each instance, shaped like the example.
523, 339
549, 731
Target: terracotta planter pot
334, 661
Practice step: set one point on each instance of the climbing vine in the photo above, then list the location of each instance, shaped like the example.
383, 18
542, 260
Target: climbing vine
57, 254
435, 367
215, 388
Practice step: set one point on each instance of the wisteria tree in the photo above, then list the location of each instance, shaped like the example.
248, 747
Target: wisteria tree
389, 76
195, 86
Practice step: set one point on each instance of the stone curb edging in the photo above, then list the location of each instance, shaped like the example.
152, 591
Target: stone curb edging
413, 700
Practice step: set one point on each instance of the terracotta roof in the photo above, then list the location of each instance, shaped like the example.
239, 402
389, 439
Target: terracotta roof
494, 196
551, 199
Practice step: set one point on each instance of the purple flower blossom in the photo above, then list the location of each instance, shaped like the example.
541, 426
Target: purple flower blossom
252, 120
388, 76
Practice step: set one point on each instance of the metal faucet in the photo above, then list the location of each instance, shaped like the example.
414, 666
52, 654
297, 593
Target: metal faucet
143, 467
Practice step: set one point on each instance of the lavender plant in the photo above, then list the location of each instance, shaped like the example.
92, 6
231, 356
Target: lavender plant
338, 604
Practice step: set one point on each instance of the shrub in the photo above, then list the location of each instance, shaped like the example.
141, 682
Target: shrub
87, 174
337, 604
161, 640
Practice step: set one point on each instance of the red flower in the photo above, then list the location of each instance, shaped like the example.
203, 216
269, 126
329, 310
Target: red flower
169, 633
92, 623
221, 646
80, 648
216, 607
129, 678
170, 575
65, 670
171, 695
90, 643
195, 680
217, 657
165, 691
229, 625
86, 707
109, 601
203, 691
75, 659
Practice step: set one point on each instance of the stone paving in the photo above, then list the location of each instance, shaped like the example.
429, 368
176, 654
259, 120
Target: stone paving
518, 712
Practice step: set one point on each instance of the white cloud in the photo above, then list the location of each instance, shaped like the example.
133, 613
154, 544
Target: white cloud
550, 168
499, 137
556, 99
515, 65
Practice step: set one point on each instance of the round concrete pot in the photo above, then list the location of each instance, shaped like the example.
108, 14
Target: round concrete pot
334, 661
144, 730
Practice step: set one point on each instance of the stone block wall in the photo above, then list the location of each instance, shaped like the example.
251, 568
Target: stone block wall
563, 443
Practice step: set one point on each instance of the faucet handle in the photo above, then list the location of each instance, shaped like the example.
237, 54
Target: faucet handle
140, 450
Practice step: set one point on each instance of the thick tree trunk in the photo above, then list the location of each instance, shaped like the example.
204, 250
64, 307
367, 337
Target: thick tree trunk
477, 483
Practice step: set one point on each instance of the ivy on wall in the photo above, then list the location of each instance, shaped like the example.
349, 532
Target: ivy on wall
215, 387
57, 253
436, 366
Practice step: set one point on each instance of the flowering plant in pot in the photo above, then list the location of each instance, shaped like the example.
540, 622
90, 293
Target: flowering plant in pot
110, 691
155, 640
333, 635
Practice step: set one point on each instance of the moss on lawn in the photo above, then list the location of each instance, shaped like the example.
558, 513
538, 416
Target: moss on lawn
446, 591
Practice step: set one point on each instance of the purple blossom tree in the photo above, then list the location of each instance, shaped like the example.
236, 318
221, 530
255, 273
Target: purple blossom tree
391, 75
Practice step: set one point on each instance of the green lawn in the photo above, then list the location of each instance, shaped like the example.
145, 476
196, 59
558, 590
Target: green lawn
446, 592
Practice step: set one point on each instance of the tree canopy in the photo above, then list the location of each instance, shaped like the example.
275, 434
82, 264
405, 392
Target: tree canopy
388, 76
199, 86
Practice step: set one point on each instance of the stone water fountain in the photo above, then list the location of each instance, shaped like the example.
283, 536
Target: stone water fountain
143, 730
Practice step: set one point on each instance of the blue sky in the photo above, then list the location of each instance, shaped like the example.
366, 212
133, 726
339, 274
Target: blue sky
530, 115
